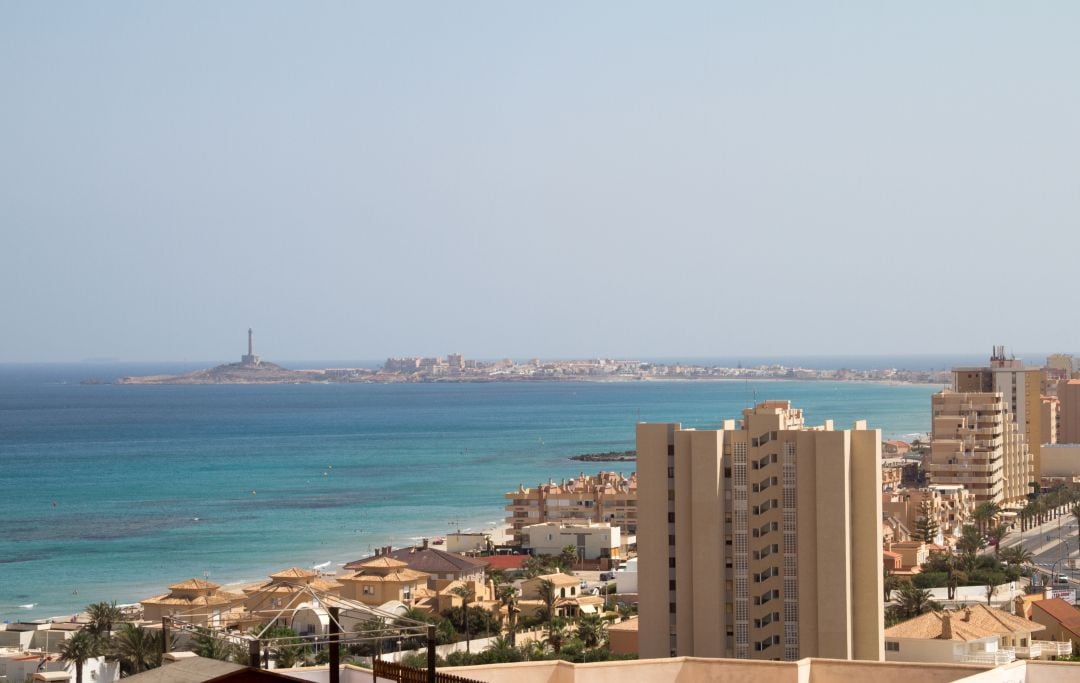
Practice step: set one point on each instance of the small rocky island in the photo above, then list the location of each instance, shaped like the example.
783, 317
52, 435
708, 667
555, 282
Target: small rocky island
610, 456
250, 370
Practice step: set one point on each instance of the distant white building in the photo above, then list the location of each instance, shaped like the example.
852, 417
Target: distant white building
466, 542
593, 541
626, 578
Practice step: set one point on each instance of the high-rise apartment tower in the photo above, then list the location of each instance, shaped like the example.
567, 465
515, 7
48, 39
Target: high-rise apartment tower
760, 541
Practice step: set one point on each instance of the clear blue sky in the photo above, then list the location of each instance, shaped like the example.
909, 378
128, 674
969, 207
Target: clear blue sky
356, 180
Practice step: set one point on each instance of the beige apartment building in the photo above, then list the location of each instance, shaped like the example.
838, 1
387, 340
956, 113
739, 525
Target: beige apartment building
605, 497
1068, 393
760, 540
1021, 390
976, 445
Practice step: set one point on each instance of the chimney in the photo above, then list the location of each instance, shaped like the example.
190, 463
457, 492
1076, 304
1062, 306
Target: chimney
946, 625
424, 543
967, 614
1018, 607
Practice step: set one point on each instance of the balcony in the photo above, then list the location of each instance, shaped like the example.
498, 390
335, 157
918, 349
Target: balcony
1035, 651
1049, 648
1003, 655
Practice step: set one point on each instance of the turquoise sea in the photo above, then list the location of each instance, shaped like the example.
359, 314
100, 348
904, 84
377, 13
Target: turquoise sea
113, 492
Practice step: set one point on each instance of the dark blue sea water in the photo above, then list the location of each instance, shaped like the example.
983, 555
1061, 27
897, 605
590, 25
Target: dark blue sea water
112, 492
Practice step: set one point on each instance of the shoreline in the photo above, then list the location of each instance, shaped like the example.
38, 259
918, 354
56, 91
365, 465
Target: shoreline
152, 380
498, 536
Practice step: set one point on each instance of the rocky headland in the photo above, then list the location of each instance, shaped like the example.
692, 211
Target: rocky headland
234, 373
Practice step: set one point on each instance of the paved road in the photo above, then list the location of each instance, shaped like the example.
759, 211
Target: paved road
1052, 542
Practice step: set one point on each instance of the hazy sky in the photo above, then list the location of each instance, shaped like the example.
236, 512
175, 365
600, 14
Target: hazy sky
357, 180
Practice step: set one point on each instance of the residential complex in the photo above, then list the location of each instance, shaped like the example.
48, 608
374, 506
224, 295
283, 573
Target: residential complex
949, 505
605, 497
760, 540
1020, 388
977, 445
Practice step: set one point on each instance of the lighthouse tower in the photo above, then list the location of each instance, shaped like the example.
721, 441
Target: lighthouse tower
250, 358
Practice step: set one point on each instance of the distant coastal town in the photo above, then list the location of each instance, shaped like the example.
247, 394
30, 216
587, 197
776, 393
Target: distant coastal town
934, 535
456, 368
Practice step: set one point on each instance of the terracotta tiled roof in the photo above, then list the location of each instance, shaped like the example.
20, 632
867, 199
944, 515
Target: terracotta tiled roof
506, 561
1061, 612
220, 598
983, 622
194, 584
382, 561
560, 579
428, 560
398, 575
294, 573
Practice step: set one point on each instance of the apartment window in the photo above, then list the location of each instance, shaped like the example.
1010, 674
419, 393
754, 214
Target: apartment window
671, 607
727, 473
892, 646
671, 585
671, 449
671, 472
671, 539
671, 562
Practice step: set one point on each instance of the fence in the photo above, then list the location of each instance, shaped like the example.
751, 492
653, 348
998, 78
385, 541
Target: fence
407, 674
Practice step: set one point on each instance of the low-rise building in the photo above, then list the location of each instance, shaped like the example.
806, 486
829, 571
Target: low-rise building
567, 599
1061, 620
623, 637
439, 564
591, 540
468, 542
286, 590
949, 505
197, 601
382, 579
1061, 463
626, 577
977, 635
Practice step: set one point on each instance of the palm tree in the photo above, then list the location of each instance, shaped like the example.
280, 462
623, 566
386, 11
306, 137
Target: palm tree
554, 637
507, 594
1017, 555
466, 595
970, 543
103, 616
591, 630
136, 648
912, 601
502, 649
891, 582
206, 645
78, 649
985, 513
546, 589
994, 536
